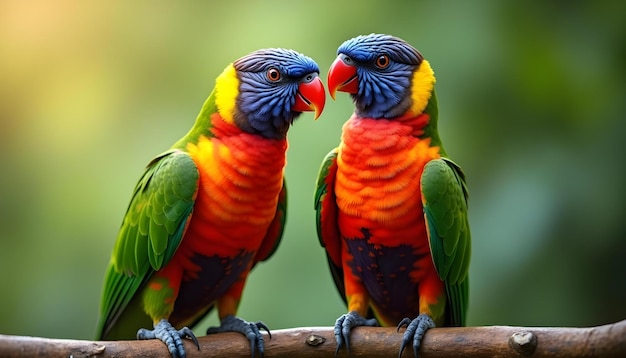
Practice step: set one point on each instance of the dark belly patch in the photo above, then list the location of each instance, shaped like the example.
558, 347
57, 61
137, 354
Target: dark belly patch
216, 276
384, 272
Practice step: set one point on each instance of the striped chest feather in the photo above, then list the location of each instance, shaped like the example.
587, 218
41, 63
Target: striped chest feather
241, 176
379, 166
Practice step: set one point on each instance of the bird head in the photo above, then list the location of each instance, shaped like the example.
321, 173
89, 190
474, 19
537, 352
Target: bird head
266, 90
385, 76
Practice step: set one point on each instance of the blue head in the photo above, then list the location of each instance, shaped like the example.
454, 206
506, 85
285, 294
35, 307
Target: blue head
377, 70
275, 86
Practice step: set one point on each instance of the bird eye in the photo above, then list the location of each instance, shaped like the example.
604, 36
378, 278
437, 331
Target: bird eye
382, 61
273, 75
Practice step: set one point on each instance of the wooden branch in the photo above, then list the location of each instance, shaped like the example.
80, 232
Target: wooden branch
492, 341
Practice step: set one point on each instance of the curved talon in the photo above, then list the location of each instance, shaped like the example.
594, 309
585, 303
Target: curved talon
346, 327
405, 322
415, 331
256, 339
262, 325
186, 332
402, 346
337, 332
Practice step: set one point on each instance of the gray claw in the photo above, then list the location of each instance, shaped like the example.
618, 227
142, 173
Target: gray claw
252, 331
172, 338
415, 331
344, 325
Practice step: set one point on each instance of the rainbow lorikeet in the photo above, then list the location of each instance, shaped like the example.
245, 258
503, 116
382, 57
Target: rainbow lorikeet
391, 207
207, 210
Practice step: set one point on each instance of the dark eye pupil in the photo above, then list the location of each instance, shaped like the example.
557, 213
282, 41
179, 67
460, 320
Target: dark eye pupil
382, 61
273, 74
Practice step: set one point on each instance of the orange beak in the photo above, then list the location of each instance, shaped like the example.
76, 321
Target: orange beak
342, 77
311, 96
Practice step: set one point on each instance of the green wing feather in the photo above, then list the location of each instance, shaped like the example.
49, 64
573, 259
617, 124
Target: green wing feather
151, 231
326, 208
326, 212
444, 196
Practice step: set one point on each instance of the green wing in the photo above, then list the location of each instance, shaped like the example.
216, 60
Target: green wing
326, 212
444, 197
151, 231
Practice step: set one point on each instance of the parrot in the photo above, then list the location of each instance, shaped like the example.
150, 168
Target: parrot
391, 207
207, 210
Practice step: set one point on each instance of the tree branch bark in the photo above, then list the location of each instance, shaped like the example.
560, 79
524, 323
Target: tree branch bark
470, 342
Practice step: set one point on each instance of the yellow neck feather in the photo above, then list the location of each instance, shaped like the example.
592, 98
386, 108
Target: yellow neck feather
422, 87
226, 91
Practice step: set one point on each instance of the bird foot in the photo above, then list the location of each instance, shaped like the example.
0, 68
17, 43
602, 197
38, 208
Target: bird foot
172, 338
344, 325
252, 331
415, 330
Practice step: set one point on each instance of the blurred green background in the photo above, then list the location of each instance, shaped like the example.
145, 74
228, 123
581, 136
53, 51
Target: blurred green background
532, 106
